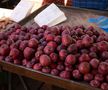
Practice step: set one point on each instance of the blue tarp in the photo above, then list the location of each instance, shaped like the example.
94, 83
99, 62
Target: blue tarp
93, 4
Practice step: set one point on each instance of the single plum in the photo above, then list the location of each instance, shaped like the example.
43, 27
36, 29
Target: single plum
17, 31
60, 67
40, 48
84, 58
90, 33
94, 38
34, 36
88, 77
55, 72
106, 60
37, 66
106, 78
53, 65
13, 45
94, 49
44, 43
76, 74
23, 45
84, 67
95, 83
103, 68
100, 38
45, 60
72, 49
50, 37
2, 42
94, 71
21, 37
14, 53
44, 27
2, 58
87, 41
17, 61
86, 51
66, 40
22, 33
33, 43
27, 36
42, 40
71, 59
66, 64
60, 47
102, 46
46, 69
2, 36
62, 54
94, 63
4, 49
52, 44
40, 31
79, 31
104, 86
55, 30
46, 33
29, 65
54, 57
13, 37
23, 28
38, 54
17, 26
93, 55
104, 55
18, 42
24, 62
8, 59
69, 68
99, 77
66, 32
9, 42
65, 75
28, 52
57, 39
48, 50
79, 43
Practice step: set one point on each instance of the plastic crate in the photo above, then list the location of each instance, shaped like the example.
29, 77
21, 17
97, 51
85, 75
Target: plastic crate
93, 4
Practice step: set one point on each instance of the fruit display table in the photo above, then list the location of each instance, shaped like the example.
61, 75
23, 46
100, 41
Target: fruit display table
75, 17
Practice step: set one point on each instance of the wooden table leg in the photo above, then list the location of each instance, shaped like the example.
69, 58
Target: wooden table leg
1, 69
9, 81
23, 83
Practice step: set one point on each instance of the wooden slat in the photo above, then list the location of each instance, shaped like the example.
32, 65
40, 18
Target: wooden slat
36, 75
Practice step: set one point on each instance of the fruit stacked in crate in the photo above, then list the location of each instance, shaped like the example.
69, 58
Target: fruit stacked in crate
74, 53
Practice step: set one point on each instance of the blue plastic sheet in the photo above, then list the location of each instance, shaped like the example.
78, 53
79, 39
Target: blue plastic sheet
101, 21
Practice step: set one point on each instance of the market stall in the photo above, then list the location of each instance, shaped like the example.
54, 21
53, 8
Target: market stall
72, 54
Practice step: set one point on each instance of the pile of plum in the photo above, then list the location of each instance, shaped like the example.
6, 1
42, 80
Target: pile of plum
75, 53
